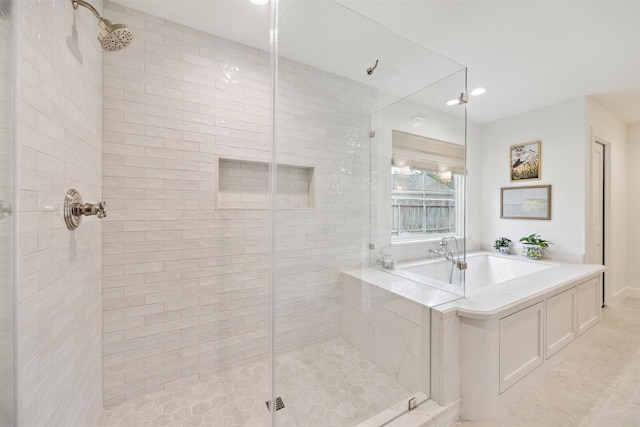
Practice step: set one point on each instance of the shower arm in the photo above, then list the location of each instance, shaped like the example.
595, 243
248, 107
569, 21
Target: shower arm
77, 3
112, 37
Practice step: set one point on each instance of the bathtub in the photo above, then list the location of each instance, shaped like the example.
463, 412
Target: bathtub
490, 340
483, 269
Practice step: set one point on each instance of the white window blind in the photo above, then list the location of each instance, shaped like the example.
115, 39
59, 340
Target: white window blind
426, 153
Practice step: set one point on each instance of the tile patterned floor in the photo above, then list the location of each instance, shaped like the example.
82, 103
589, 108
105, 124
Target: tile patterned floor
332, 384
326, 384
598, 386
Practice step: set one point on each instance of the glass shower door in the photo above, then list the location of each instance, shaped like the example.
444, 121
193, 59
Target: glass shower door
345, 350
419, 210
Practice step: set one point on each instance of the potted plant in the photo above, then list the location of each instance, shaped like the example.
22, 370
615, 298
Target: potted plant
502, 245
533, 245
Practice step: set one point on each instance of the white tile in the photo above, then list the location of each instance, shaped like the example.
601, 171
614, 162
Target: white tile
188, 107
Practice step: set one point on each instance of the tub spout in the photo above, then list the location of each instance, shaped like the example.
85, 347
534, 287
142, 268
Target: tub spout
450, 254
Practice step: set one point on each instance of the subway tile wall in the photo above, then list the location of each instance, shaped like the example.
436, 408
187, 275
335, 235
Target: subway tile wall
59, 146
6, 220
186, 284
322, 122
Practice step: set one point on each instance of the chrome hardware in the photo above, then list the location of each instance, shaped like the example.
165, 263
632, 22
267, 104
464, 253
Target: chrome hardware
370, 70
93, 10
413, 403
279, 404
75, 208
444, 250
450, 254
4, 210
98, 209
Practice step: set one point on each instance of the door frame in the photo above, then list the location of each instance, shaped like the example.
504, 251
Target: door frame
590, 256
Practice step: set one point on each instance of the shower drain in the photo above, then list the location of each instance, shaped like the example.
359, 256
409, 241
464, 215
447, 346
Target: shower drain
279, 404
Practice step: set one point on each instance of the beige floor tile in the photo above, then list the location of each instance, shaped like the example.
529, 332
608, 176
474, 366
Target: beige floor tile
599, 385
332, 384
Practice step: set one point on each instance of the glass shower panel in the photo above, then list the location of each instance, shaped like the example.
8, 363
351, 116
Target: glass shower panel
346, 346
6, 219
418, 213
193, 91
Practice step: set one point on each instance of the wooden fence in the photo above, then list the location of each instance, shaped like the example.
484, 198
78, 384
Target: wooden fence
422, 216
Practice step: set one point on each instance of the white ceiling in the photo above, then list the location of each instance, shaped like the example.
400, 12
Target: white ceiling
529, 54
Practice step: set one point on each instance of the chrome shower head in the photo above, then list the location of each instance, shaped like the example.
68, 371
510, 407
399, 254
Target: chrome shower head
112, 37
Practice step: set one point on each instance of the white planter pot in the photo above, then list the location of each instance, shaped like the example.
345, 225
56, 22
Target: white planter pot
532, 251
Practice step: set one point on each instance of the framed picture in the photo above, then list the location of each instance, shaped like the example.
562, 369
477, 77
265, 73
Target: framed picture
524, 162
531, 202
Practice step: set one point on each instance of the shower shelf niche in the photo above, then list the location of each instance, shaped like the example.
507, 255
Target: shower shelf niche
244, 184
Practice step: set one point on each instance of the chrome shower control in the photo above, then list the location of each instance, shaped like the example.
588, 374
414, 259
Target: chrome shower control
74, 209
4, 209
98, 209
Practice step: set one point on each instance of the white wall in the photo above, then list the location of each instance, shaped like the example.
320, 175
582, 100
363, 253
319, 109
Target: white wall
633, 182
603, 126
567, 131
59, 146
561, 128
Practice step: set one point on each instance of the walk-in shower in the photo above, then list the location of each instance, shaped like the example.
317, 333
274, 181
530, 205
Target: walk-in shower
241, 184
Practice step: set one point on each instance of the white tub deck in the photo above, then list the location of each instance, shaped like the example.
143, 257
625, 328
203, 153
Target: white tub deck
481, 298
503, 335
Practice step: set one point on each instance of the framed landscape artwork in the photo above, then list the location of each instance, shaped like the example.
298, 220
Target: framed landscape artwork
524, 162
532, 202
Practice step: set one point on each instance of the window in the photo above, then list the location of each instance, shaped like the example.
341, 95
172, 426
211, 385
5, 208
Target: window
427, 188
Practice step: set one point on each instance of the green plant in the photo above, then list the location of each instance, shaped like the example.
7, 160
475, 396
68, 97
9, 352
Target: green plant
502, 242
535, 239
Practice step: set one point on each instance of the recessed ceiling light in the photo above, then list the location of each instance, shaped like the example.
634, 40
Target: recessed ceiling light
417, 120
478, 91
453, 102
259, 2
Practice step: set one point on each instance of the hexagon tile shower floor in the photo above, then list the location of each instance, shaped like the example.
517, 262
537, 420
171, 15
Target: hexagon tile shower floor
325, 384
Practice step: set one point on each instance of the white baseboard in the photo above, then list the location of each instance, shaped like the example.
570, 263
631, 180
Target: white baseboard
626, 292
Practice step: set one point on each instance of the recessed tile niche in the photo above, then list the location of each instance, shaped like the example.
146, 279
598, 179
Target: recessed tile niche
244, 184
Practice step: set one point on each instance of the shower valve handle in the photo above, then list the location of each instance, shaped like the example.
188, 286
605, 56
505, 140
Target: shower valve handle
99, 209
102, 209
75, 209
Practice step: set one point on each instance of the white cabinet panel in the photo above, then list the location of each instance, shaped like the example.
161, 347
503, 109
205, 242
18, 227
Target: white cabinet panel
589, 306
561, 321
521, 348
